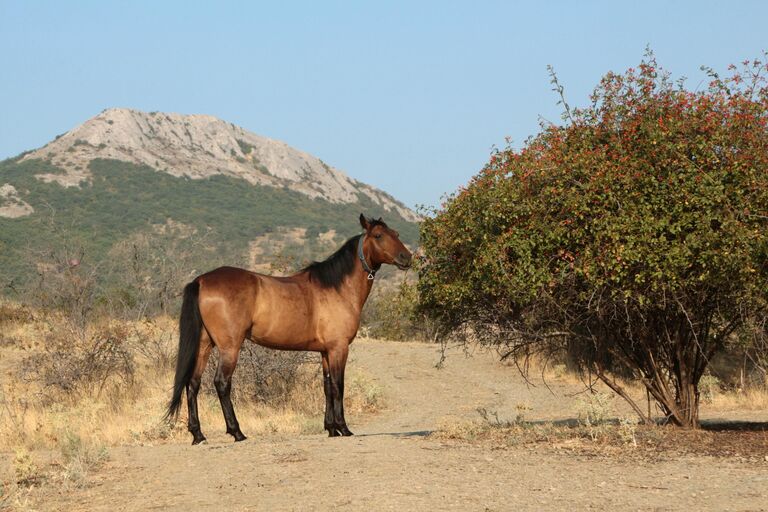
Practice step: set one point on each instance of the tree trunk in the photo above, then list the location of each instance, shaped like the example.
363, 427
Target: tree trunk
677, 395
688, 404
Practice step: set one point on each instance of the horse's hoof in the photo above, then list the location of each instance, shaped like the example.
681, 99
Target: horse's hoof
199, 440
333, 433
345, 431
239, 437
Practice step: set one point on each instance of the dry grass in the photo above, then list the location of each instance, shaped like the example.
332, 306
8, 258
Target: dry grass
625, 438
605, 426
715, 398
35, 415
750, 399
576, 436
66, 396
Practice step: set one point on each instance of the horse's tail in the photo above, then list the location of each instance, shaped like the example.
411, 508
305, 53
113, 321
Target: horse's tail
190, 326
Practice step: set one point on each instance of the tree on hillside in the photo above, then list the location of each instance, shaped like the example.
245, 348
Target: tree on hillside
631, 240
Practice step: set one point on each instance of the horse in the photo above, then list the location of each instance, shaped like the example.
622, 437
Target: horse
317, 309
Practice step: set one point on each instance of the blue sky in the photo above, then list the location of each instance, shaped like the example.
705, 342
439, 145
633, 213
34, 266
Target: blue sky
407, 96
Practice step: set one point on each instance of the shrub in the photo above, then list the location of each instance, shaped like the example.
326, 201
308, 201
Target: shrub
27, 472
266, 376
143, 274
633, 238
391, 313
80, 457
709, 386
365, 393
14, 313
245, 147
75, 363
595, 408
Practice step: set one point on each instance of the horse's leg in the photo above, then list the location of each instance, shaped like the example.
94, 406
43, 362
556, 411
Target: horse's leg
223, 383
328, 423
203, 352
343, 424
337, 360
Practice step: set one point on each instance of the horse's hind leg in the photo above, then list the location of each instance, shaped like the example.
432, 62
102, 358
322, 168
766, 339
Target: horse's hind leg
203, 352
223, 382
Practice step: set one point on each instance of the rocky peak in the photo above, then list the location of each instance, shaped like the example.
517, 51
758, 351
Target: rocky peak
199, 146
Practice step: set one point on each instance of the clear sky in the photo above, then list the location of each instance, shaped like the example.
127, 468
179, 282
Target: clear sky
408, 96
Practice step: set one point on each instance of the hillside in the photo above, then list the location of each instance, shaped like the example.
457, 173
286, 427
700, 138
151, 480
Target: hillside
125, 172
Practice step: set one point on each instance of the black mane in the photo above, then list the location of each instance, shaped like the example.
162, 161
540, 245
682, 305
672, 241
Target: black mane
332, 271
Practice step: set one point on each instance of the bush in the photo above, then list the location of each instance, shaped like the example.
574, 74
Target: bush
634, 238
80, 457
14, 313
266, 376
73, 363
143, 274
26, 471
391, 312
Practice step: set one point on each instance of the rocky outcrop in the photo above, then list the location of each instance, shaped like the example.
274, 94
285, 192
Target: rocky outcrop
11, 205
199, 146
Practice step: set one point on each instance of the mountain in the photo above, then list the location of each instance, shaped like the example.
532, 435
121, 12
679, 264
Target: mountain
126, 173
199, 146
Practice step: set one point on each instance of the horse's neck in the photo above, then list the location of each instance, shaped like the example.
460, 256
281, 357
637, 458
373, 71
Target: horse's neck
358, 284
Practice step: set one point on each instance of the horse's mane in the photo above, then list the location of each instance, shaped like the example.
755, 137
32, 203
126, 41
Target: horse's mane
330, 272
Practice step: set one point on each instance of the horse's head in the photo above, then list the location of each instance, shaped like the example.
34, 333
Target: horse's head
382, 244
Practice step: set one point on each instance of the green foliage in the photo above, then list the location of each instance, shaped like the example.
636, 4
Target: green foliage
391, 313
245, 147
633, 238
124, 199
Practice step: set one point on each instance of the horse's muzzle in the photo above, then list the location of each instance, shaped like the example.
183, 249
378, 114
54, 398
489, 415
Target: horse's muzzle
403, 261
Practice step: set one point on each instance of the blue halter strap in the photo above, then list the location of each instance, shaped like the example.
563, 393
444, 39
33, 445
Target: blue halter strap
371, 272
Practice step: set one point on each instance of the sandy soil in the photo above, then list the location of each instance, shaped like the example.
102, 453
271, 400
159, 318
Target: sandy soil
391, 464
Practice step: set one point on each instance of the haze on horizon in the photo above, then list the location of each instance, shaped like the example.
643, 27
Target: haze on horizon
407, 97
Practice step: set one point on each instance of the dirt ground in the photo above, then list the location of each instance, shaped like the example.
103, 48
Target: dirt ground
393, 464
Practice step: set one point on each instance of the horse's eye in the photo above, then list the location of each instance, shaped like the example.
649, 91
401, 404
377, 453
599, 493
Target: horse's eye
377, 236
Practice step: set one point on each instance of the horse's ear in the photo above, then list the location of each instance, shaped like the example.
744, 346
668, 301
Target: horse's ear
364, 222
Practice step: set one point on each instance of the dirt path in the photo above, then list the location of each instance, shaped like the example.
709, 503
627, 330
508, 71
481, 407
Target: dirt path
391, 465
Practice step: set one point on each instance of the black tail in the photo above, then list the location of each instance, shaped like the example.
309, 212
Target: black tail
190, 325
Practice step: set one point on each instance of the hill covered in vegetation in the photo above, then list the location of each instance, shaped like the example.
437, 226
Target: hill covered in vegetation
67, 195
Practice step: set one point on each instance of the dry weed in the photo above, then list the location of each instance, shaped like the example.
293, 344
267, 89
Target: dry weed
750, 399
26, 471
364, 394
625, 437
79, 458
96, 400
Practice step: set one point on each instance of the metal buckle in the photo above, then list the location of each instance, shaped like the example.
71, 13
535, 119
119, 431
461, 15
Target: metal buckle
371, 276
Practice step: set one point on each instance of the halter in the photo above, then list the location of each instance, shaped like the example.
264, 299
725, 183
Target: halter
371, 272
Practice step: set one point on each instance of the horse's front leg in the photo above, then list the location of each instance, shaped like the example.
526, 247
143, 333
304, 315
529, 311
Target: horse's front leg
328, 422
342, 423
337, 361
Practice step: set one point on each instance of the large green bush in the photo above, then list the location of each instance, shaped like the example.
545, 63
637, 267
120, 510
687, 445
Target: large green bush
632, 238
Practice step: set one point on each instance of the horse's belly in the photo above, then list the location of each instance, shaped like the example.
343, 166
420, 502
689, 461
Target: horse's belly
285, 343
283, 335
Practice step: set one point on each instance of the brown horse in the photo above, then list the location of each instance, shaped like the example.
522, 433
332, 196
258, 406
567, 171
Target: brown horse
317, 309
